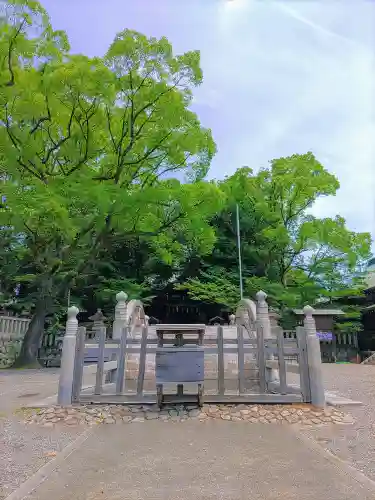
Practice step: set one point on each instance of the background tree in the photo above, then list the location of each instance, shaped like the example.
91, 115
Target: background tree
286, 251
87, 146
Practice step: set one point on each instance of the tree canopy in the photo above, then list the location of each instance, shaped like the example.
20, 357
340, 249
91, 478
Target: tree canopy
93, 147
286, 251
103, 167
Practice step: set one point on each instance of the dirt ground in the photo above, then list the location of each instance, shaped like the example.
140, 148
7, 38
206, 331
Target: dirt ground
24, 449
354, 443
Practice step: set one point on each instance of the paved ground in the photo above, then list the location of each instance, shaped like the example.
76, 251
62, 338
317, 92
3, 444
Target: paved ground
24, 449
220, 460
353, 443
19, 387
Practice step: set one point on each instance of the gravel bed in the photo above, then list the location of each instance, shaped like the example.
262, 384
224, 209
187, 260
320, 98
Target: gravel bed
354, 443
23, 450
120, 414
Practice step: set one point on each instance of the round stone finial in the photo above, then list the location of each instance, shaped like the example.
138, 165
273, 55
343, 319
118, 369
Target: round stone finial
261, 296
121, 297
308, 310
72, 312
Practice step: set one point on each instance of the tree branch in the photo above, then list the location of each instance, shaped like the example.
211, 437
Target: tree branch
42, 119
59, 143
149, 152
10, 83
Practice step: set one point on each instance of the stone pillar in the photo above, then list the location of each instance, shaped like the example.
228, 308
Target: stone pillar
121, 315
232, 319
314, 359
263, 320
64, 397
147, 319
262, 314
274, 318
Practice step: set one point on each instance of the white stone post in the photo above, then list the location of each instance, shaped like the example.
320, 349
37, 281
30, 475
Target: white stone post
264, 320
314, 358
64, 397
121, 315
232, 319
147, 319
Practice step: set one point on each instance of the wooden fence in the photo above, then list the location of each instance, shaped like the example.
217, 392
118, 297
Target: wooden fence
250, 368
342, 346
114, 383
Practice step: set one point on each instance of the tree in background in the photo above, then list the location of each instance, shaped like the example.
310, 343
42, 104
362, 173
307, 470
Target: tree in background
88, 149
102, 168
286, 251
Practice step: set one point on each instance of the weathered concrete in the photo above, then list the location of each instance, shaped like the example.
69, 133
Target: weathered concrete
219, 460
64, 396
314, 359
353, 443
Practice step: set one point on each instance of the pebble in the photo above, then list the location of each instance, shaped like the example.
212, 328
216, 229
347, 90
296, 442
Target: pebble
225, 417
306, 415
152, 416
138, 419
194, 413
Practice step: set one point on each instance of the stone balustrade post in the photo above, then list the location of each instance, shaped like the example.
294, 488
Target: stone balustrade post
314, 358
263, 320
64, 396
121, 315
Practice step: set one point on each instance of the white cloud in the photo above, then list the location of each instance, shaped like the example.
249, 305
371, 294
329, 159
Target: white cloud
280, 77
314, 79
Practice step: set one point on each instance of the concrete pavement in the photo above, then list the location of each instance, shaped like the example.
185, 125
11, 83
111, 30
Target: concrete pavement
197, 461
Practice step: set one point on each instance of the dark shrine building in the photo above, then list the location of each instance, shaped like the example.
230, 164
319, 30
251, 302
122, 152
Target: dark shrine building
176, 307
367, 336
324, 318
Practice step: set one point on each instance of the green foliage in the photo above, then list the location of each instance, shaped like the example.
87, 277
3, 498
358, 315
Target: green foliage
296, 258
215, 286
88, 148
90, 153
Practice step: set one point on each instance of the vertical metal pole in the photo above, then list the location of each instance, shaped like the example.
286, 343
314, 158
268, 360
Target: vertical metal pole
239, 250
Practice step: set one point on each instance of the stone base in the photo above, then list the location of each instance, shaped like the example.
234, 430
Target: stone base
10, 347
118, 414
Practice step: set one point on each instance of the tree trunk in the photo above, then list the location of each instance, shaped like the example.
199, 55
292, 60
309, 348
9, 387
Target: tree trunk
28, 357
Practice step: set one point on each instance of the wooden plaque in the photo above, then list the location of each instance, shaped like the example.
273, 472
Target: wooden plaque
179, 365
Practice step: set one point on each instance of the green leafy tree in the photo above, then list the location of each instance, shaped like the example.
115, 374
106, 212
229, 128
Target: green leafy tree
88, 149
286, 251
215, 286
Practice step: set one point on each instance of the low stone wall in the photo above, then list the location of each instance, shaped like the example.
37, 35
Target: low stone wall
10, 346
301, 414
12, 332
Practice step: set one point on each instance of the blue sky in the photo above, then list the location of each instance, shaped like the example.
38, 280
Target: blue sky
280, 77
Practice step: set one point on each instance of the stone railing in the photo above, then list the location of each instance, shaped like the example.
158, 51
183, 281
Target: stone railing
12, 331
128, 314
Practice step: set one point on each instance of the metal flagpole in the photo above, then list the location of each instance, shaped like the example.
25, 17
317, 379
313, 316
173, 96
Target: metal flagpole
239, 251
